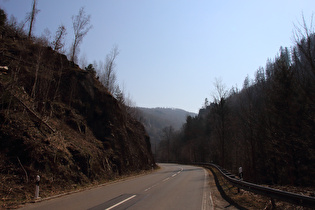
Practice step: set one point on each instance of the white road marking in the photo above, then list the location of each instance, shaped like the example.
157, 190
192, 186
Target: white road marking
204, 205
149, 188
211, 201
121, 202
166, 179
204, 196
181, 169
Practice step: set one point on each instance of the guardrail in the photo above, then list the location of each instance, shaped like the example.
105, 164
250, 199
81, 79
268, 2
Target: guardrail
289, 197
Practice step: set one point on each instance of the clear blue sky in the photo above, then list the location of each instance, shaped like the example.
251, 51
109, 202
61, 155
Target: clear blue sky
171, 51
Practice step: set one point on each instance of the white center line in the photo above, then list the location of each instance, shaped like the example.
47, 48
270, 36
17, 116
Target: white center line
121, 202
166, 179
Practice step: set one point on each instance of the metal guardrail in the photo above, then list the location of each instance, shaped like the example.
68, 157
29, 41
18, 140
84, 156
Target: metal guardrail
289, 197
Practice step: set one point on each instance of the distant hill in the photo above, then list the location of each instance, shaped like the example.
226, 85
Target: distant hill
155, 119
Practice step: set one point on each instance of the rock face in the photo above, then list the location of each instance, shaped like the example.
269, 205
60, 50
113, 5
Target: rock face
58, 121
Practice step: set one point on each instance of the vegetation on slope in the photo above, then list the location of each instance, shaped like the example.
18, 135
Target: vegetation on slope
59, 122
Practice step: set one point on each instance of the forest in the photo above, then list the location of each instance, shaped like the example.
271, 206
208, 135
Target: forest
267, 127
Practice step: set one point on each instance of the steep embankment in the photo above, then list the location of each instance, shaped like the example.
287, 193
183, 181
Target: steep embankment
59, 122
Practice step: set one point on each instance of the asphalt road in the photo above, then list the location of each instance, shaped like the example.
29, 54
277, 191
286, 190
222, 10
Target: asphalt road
172, 187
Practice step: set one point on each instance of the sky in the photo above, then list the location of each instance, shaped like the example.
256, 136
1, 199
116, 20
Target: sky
172, 51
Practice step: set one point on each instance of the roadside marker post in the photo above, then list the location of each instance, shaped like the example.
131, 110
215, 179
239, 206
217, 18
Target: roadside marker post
37, 187
240, 175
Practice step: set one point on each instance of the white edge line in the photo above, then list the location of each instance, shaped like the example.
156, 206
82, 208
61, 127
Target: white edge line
204, 200
121, 202
204, 197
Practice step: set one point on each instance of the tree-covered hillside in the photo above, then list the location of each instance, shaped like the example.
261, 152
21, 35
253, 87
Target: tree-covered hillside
267, 127
156, 120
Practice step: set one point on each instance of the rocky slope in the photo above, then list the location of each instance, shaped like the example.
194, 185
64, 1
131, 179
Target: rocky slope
59, 122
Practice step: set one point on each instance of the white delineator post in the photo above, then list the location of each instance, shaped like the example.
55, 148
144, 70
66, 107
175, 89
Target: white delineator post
37, 187
240, 173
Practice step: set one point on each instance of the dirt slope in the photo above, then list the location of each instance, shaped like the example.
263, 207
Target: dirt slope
59, 122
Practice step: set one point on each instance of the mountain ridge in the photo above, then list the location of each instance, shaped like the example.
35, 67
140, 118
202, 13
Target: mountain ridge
156, 119
174, 117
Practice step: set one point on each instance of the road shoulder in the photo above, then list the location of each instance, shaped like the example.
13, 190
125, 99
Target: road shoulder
215, 196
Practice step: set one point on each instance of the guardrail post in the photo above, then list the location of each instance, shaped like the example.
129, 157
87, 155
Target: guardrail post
37, 187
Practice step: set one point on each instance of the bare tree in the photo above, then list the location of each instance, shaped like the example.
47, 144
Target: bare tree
58, 43
18, 27
81, 26
220, 90
303, 36
32, 18
302, 30
37, 68
44, 39
108, 75
304, 56
220, 116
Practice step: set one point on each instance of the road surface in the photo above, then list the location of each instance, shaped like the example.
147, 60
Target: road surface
172, 187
